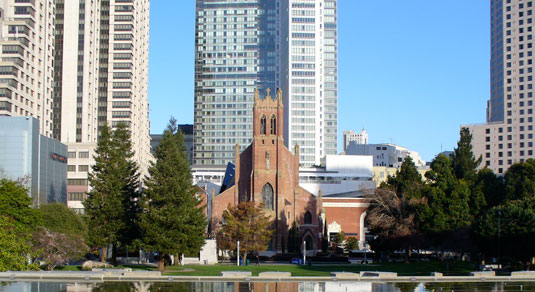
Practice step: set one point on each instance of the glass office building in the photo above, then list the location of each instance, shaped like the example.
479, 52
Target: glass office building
235, 53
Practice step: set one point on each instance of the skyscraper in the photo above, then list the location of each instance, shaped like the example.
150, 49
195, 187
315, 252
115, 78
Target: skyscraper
243, 45
234, 55
27, 42
507, 137
101, 75
309, 76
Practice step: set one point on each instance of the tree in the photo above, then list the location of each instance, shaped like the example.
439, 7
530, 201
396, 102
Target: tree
248, 224
407, 180
515, 221
56, 248
173, 220
520, 180
15, 205
448, 200
351, 244
393, 219
491, 186
463, 162
110, 205
17, 222
14, 246
59, 218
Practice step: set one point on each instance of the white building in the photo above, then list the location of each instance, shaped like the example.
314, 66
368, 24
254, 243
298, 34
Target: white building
388, 155
27, 60
358, 138
101, 63
507, 135
309, 77
339, 174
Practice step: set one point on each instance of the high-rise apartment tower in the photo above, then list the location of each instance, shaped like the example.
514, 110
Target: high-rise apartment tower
243, 45
507, 137
101, 75
26, 60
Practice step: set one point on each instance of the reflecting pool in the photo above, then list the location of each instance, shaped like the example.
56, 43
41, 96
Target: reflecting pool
335, 286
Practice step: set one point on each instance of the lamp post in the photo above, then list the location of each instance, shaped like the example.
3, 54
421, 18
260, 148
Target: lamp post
238, 262
499, 235
304, 252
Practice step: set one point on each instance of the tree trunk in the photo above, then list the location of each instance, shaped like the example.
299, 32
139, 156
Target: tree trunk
114, 255
103, 254
177, 261
161, 262
245, 258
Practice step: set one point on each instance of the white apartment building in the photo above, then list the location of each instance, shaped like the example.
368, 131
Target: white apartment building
358, 138
26, 60
507, 135
101, 78
309, 77
389, 155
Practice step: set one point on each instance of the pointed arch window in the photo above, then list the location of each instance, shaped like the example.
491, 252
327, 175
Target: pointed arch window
267, 196
273, 125
308, 217
263, 125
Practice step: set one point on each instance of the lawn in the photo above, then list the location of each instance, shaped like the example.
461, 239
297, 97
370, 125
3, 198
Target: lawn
403, 269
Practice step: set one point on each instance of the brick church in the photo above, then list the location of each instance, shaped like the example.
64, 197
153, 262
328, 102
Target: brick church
267, 172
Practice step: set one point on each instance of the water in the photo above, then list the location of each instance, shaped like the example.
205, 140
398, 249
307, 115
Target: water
337, 286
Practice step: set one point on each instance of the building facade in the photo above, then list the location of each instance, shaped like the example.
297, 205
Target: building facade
39, 162
26, 60
101, 76
244, 45
507, 135
267, 172
358, 138
388, 155
309, 76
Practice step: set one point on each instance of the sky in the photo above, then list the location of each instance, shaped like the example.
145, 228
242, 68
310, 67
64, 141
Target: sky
409, 72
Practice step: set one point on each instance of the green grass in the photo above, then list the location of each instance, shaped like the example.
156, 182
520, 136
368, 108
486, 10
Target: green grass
403, 269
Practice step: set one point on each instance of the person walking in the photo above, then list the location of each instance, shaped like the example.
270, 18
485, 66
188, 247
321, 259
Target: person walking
257, 260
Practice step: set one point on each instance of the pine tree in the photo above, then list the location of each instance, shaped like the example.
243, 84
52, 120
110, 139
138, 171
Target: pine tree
110, 206
173, 220
464, 163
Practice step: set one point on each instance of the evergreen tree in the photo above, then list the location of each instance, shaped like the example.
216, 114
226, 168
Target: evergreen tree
407, 181
520, 180
448, 207
110, 205
173, 221
464, 163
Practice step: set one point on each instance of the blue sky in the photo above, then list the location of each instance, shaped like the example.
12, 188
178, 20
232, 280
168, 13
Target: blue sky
410, 72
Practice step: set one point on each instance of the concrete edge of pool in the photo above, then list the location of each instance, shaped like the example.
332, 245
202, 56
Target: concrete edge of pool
237, 276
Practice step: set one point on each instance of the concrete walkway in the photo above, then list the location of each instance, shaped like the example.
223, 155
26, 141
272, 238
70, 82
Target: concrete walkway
150, 276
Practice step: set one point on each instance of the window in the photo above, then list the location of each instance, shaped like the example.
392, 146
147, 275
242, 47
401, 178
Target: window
263, 125
308, 218
71, 154
71, 168
273, 125
267, 196
83, 168
76, 196
83, 154
77, 182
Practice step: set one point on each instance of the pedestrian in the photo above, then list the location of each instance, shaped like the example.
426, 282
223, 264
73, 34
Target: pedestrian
257, 260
